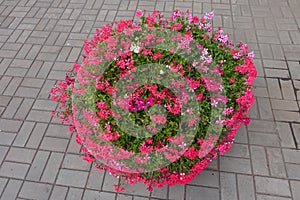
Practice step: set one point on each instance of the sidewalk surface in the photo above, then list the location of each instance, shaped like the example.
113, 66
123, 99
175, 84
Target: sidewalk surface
40, 39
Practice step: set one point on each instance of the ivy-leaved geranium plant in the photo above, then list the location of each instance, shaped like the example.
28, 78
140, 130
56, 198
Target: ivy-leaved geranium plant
155, 101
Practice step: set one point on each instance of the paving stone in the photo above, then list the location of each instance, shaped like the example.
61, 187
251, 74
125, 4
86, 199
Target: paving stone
276, 164
109, 180
72, 178
140, 198
237, 165
20, 155
54, 144
137, 189
291, 155
3, 151
31, 190
272, 186
176, 192
286, 116
206, 178
262, 126
241, 136
74, 193
39, 116
90, 194
293, 171
27, 92
295, 185
287, 89
12, 189
73, 145
228, 186
259, 160
10, 125
3, 182
75, 162
278, 104
59, 131
245, 187
4, 81
264, 139
95, 179
24, 109
14, 170
294, 69
52, 167
273, 64
4, 100
193, 192
265, 109
285, 135
261, 92
124, 197
296, 131
36, 136
238, 150
268, 197
159, 192
12, 108
277, 73
23, 134
32, 82
6, 138
37, 166
59, 192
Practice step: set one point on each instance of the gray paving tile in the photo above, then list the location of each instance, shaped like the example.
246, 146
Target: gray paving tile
206, 178
193, 192
3, 182
267, 197
31, 190
272, 186
14, 170
72, 161
20, 155
245, 187
59, 192
276, 164
54, 144
12, 189
259, 160
177, 192
228, 186
90, 194
95, 179
6, 138
72, 178
74, 193
52, 167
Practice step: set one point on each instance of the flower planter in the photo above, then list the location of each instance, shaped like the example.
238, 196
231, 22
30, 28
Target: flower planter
156, 101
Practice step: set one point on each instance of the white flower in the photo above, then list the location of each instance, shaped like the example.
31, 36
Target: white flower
167, 66
161, 72
135, 48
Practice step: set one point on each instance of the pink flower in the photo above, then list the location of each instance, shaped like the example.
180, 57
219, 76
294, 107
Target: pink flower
139, 13
227, 111
176, 27
159, 119
118, 189
157, 55
176, 14
209, 16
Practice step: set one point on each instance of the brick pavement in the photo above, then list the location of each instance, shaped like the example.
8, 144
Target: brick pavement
40, 39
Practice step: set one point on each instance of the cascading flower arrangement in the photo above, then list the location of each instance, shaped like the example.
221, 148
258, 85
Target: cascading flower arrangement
156, 101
